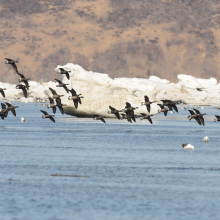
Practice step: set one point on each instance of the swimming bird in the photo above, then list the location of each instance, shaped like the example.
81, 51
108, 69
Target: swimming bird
195, 116
24, 80
61, 84
23, 120
76, 98
11, 108
98, 117
147, 103
217, 118
129, 111
2, 92
24, 89
55, 95
52, 105
200, 115
114, 111
46, 115
163, 109
148, 117
63, 71
187, 146
12, 62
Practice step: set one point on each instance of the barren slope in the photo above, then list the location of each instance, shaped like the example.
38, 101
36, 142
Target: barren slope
124, 38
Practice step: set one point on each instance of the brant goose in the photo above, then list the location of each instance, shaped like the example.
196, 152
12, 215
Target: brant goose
147, 103
163, 109
23, 87
24, 80
63, 71
200, 115
114, 111
2, 92
148, 117
98, 117
46, 115
195, 116
217, 118
12, 62
61, 84
187, 146
55, 95
129, 111
76, 98
170, 104
11, 108
52, 105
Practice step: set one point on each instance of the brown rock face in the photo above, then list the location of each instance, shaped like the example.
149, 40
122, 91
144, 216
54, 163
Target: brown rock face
123, 38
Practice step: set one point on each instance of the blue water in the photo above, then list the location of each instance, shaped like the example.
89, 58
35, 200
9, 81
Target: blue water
85, 169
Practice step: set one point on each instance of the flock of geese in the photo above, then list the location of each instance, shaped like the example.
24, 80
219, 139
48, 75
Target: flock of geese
126, 113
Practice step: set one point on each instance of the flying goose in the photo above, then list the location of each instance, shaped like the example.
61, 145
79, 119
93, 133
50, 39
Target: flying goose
63, 71
76, 98
217, 118
98, 117
114, 111
12, 62
148, 117
187, 146
147, 103
2, 92
24, 80
3, 112
55, 95
163, 109
195, 116
200, 115
11, 108
170, 104
46, 115
24, 89
52, 105
129, 111
61, 84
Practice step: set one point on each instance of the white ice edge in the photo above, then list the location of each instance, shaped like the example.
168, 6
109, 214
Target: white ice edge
100, 91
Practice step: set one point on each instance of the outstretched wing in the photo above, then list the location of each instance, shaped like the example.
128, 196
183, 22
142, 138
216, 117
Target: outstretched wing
24, 92
3, 94
75, 103
66, 88
44, 112
150, 120
146, 98
21, 75
217, 116
103, 120
62, 69
53, 91
143, 114
15, 67
73, 92
198, 120
8, 104
148, 107
52, 119
8, 59
128, 105
175, 108
58, 81
191, 112
197, 111
67, 75
51, 100
111, 108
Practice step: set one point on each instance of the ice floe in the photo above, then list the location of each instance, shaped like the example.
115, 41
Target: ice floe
100, 91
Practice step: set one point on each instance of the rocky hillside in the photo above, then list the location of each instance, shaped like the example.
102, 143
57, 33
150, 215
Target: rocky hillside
123, 38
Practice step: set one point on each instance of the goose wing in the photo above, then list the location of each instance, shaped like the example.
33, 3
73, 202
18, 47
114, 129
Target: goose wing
54, 109
161, 106
24, 92
146, 98
61, 108
67, 75
198, 120
103, 120
191, 112
58, 81
73, 92
175, 108
15, 67
148, 107
8, 59
128, 105
111, 108
150, 120
202, 120
217, 116
117, 115
13, 112
197, 111
2, 92
62, 69
53, 91
67, 90
51, 100
51, 118
75, 103
21, 75
3, 106
8, 104
44, 112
